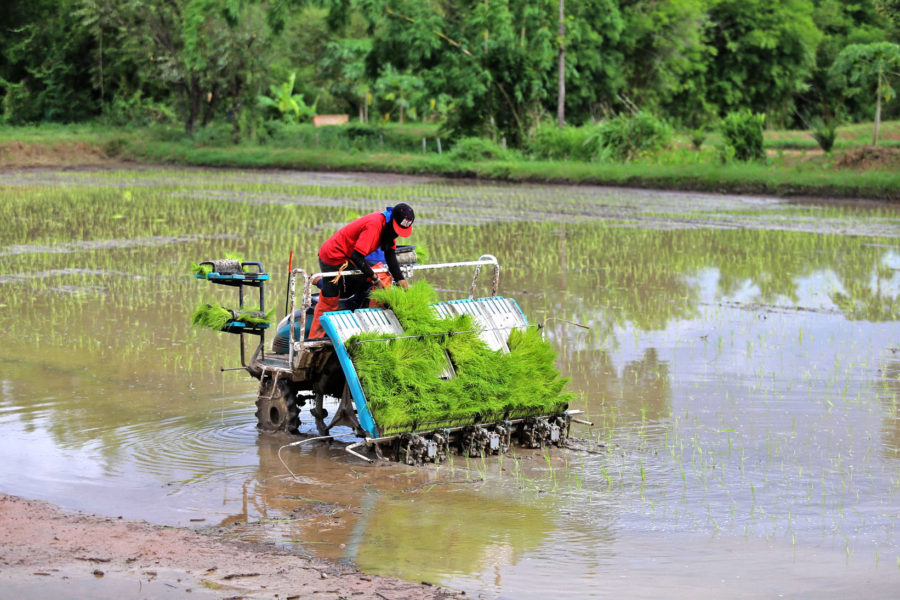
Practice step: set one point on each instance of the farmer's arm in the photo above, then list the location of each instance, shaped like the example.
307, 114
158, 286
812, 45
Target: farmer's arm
390, 257
366, 242
359, 261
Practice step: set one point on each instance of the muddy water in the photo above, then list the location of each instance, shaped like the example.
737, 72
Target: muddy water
742, 370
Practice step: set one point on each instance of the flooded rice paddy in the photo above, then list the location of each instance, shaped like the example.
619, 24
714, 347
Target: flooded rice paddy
742, 369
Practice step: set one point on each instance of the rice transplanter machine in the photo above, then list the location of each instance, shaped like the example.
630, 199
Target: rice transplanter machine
319, 374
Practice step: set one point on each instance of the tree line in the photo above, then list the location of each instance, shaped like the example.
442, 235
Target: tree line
478, 67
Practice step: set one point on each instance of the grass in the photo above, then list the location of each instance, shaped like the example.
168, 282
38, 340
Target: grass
785, 173
402, 377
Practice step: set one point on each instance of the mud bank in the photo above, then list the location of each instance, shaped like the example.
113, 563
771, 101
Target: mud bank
45, 552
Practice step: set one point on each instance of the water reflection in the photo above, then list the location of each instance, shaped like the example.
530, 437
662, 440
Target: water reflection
742, 368
422, 523
890, 398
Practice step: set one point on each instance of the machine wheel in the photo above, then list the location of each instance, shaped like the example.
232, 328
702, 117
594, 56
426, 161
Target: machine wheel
276, 407
344, 414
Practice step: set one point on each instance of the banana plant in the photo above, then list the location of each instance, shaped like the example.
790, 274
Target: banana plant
289, 105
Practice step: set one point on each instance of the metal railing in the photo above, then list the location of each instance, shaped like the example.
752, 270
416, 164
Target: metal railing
483, 261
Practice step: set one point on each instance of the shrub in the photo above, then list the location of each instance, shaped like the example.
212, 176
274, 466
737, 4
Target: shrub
550, 141
475, 148
743, 136
628, 136
214, 134
698, 136
19, 106
136, 109
824, 131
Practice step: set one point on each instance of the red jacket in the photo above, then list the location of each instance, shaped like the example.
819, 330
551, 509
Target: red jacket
363, 234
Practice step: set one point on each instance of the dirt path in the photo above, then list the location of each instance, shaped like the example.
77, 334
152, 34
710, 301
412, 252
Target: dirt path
45, 552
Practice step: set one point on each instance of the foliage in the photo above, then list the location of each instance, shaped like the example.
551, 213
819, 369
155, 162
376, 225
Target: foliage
350, 137
742, 134
763, 53
841, 23
137, 109
480, 69
666, 57
698, 136
45, 54
208, 52
890, 9
824, 131
870, 68
402, 92
342, 67
629, 136
550, 141
402, 380
490, 57
290, 106
475, 149
595, 60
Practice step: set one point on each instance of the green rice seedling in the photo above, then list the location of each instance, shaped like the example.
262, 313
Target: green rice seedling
215, 316
402, 376
202, 270
212, 316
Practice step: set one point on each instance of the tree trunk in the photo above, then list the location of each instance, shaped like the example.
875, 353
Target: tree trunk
100, 61
877, 110
212, 102
561, 101
193, 109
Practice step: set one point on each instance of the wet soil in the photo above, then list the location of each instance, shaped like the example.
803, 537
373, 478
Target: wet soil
15, 154
43, 549
869, 158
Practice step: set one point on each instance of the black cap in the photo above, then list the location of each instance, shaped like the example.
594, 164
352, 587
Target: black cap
403, 216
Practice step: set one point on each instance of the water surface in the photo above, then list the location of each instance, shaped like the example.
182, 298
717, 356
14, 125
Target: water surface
742, 370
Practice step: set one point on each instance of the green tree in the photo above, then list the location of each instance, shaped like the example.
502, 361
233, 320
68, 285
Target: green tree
44, 63
870, 68
342, 69
290, 106
841, 23
762, 54
491, 57
890, 9
208, 52
400, 91
593, 60
666, 57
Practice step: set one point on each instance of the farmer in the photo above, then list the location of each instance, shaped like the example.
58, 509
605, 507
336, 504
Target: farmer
348, 248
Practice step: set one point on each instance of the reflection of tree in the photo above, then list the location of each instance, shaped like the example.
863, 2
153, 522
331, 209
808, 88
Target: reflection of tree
391, 520
891, 428
404, 535
645, 385
861, 302
772, 261
642, 392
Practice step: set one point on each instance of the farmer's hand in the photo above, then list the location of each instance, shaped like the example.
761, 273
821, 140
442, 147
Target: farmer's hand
404, 285
379, 284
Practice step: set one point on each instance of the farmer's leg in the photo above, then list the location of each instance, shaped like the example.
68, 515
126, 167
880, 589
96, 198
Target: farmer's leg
328, 299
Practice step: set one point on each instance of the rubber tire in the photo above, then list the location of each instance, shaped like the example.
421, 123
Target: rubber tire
277, 410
